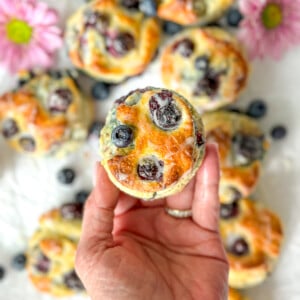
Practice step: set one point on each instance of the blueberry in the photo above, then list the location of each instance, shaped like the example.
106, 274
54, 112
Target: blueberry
19, 261
100, 90
257, 109
55, 74
59, 100
122, 136
278, 132
2, 272
27, 144
148, 7
82, 196
43, 264
120, 45
171, 28
72, 281
66, 175
95, 128
201, 63
228, 211
199, 139
234, 17
96, 20
22, 82
9, 128
184, 47
208, 85
150, 169
71, 211
239, 247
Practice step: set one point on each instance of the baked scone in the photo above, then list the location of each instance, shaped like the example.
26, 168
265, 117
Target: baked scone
152, 143
110, 40
242, 146
252, 237
47, 115
235, 295
189, 12
206, 65
51, 251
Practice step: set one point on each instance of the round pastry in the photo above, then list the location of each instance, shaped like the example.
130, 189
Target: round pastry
188, 12
252, 237
152, 143
235, 295
111, 40
47, 115
51, 251
206, 65
242, 146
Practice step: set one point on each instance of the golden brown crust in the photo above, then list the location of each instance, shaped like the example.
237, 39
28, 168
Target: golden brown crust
51, 133
92, 56
188, 12
262, 231
223, 80
222, 127
175, 149
51, 253
235, 295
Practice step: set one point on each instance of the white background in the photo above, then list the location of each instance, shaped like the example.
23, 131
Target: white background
28, 186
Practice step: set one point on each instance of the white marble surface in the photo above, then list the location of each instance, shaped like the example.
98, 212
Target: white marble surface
28, 186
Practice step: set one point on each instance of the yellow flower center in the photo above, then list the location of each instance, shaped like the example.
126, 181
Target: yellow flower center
18, 31
272, 16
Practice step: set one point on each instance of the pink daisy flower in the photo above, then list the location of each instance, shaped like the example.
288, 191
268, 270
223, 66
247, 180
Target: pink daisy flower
28, 34
269, 27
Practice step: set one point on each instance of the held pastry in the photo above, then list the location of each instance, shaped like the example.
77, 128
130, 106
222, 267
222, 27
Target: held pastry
242, 146
48, 115
51, 251
152, 143
252, 237
188, 12
111, 40
206, 65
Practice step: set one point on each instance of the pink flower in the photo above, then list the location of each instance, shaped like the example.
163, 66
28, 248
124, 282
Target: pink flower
269, 27
28, 34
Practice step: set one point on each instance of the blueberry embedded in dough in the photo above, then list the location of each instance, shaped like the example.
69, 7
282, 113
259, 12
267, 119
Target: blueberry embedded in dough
28, 144
202, 63
229, 210
184, 47
96, 20
9, 128
150, 168
119, 44
238, 247
43, 263
59, 100
122, 136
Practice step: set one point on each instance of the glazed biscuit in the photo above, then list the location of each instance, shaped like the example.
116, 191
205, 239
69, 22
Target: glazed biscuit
48, 115
252, 236
189, 12
51, 251
242, 146
205, 65
111, 41
152, 143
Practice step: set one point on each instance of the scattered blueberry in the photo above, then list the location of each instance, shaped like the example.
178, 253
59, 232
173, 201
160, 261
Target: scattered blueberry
9, 128
148, 7
100, 90
82, 196
257, 109
239, 247
184, 47
66, 175
122, 136
95, 128
27, 144
2, 272
234, 17
19, 261
278, 132
71, 211
171, 27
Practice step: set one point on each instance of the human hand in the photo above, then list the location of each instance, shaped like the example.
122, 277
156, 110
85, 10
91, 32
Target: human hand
132, 249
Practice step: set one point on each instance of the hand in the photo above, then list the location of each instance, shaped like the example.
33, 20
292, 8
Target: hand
131, 249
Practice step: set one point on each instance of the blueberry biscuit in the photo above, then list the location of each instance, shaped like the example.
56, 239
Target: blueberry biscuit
242, 146
51, 251
152, 143
111, 40
252, 237
188, 12
206, 65
47, 115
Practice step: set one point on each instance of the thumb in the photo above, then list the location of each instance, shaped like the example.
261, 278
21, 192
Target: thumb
98, 220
